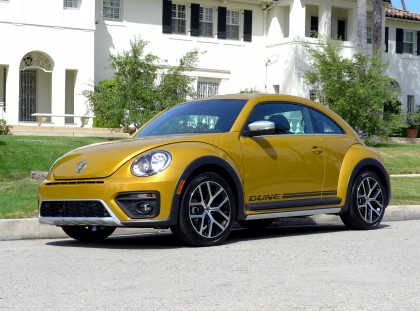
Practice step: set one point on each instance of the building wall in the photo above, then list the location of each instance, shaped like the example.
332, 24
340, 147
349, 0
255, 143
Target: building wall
65, 36
79, 41
237, 64
404, 68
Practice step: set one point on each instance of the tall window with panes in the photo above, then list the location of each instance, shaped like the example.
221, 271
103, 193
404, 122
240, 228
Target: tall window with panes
72, 4
111, 10
206, 22
410, 104
207, 89
232, 25
369, 35
408, 42
179, 18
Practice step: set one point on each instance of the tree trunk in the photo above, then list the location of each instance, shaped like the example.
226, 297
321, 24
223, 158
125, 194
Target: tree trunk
362, 26
403, 5
377, 28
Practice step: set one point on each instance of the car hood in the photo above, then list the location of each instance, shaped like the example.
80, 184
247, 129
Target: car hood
103, 159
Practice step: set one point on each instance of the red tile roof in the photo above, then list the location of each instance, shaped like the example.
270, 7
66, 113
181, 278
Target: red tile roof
401, 14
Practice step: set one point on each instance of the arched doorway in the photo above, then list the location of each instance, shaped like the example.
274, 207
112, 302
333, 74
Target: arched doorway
35, 85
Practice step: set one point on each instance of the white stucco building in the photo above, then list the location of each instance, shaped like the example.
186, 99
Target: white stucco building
52, 50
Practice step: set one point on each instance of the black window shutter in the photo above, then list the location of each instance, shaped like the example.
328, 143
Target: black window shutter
221, 22
399, 48
195, 19
418, 42
248, 25
386, 39
167, 16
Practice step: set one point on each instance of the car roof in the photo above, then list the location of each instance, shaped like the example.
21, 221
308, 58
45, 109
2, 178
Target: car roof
266, 97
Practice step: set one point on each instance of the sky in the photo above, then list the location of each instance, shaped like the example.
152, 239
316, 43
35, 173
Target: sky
411, 5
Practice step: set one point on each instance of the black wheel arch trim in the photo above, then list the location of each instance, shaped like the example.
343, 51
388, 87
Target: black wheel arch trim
366, 165
213, 161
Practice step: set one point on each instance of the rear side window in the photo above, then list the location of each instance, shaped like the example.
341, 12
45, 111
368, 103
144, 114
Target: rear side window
325, 125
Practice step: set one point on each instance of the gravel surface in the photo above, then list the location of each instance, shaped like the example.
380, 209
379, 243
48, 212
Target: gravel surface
324, 267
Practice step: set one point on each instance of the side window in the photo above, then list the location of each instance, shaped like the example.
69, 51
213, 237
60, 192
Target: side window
324, 125
73, 4
111, 10
289, 118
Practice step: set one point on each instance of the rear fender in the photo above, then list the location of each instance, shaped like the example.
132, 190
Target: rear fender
359, 159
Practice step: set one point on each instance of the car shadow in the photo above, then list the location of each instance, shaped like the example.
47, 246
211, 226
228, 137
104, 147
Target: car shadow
165, 240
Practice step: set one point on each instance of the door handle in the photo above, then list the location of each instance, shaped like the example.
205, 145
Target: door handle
316, 150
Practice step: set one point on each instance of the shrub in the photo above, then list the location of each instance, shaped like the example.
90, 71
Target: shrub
4, 127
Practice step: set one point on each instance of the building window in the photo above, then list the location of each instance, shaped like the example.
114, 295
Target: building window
232, 25
314, 27
408, 42
312, 95
179, 18
341, 30
111, 10
369, 35
207, 89
410, 103
72, 4
206, 22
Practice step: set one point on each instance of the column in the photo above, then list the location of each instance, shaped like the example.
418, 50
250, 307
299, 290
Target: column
325, 14
297, 19
12, 94
58, 96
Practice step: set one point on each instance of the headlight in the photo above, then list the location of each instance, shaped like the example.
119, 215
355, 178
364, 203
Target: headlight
151, 163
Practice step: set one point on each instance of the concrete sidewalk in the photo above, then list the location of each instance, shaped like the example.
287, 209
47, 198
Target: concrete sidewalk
30, 228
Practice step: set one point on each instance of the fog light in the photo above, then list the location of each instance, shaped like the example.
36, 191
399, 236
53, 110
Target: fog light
144, 208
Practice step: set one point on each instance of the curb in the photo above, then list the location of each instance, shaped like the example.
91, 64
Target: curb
30, 228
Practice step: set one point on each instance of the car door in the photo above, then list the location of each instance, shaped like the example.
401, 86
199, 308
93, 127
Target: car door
336, 143
285, 169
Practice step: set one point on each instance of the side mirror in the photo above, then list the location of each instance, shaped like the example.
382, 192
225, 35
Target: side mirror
259, 128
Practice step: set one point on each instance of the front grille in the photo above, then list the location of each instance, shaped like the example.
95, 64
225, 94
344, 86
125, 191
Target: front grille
73, 209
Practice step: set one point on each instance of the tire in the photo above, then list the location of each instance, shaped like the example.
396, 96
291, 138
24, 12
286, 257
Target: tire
255, 225
88, 233
207, 211
367, 202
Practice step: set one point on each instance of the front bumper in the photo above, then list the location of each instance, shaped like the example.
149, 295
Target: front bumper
76, 212
99, 203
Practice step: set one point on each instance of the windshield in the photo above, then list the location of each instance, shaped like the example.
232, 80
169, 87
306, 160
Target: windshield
207, 116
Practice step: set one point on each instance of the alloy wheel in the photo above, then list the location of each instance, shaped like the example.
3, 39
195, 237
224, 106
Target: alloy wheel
209, 209
370, 199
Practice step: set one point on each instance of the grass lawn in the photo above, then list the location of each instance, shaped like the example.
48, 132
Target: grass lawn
19, 155
400, 158
22, 154
405, 190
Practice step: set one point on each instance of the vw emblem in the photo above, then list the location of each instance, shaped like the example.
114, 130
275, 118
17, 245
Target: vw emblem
80, 166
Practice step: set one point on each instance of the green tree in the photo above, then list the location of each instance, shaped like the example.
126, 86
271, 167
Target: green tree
251, 90
140, 87
356, 88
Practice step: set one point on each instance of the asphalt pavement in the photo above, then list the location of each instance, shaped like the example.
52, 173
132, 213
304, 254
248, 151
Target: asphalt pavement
30, 228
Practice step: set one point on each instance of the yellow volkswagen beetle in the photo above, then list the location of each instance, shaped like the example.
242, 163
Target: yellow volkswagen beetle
200, 166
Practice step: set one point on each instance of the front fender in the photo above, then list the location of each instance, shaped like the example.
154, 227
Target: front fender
198, 157
360, 158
